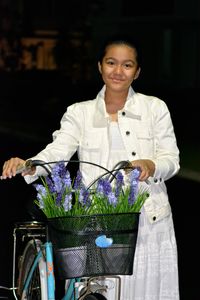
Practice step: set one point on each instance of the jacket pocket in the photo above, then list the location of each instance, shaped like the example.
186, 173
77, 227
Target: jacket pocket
92, 144
157, 206
91, 141
146, 142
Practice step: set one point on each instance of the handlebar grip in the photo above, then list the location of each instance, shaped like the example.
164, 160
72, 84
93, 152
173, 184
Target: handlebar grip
25, 167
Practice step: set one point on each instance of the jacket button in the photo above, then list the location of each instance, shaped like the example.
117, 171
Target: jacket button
127, 132
123, 113
154, 218
133, 153
155, 180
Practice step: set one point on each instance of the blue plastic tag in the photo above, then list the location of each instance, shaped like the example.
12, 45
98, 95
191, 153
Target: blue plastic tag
103, 242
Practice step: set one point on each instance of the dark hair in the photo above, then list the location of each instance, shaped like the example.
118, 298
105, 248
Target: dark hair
120, 40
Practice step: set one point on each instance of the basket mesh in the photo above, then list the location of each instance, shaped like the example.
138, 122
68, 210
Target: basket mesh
76, 251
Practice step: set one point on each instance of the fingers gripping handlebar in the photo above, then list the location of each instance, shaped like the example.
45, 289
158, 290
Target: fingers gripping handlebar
29, 164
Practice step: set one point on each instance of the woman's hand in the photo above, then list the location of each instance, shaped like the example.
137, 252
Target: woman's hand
11, 166
146, 166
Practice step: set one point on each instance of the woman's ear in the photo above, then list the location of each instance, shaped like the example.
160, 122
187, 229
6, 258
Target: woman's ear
137, 73
99, 67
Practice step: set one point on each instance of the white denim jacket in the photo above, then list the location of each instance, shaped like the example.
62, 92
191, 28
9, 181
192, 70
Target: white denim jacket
147, 132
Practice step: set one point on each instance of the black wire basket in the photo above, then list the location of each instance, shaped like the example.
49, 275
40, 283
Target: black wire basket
94, 245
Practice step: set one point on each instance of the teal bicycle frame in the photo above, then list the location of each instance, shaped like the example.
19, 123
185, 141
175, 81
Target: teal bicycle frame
35, 231
50, 274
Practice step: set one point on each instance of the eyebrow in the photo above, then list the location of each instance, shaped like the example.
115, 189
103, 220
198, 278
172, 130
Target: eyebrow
127, 60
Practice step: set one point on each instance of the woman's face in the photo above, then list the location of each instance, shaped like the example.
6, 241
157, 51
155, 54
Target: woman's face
119, 67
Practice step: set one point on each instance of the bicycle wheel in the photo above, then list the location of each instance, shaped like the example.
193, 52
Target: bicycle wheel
94, 296
37, 289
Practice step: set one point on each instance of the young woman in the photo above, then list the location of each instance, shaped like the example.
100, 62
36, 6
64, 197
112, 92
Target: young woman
122, 124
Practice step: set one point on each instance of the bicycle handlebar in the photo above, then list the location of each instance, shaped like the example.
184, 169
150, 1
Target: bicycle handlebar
29, 164
46, 165
34, 163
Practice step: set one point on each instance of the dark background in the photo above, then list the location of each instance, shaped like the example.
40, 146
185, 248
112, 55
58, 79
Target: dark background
48, 52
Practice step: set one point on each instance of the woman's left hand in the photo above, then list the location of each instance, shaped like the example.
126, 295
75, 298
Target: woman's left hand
146, 166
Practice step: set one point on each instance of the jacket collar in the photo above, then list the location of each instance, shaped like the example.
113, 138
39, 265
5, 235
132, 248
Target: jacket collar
101, 117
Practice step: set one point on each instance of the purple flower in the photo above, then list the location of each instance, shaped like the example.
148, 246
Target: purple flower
50, 185
78, 180
119, 183
84, 197
41, 193
66, 180
67, 204
107, 187
62, 169
57, 169
134, 181
112, 199
60, 177
58, 185
58, 199
104, 187
99, 188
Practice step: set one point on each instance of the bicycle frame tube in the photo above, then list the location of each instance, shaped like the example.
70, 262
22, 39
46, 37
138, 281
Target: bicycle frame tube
50, 276
50, 271
70, 291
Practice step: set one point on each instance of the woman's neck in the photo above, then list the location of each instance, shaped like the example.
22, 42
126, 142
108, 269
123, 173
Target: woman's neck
114, 101
113, 105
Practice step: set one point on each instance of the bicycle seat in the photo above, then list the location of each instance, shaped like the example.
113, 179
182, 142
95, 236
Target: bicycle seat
30, 225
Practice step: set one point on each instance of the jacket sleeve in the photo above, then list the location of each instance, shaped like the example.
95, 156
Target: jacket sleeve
65, 140
166, 151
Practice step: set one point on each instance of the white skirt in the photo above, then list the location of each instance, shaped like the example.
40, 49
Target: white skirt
155, 270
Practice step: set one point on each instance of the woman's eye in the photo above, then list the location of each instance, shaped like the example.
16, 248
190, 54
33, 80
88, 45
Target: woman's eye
110, 63
128, 66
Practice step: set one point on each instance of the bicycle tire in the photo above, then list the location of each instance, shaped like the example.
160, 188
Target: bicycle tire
94, 296
37, 289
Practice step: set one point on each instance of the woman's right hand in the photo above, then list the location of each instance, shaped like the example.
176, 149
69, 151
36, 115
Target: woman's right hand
11, 166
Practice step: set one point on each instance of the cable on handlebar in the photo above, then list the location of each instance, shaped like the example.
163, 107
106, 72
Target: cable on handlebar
119, 166
111, 174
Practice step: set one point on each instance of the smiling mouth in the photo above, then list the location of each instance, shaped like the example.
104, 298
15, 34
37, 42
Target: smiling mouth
116, 79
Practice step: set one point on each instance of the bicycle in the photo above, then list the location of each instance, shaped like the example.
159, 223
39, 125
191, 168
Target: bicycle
36, 276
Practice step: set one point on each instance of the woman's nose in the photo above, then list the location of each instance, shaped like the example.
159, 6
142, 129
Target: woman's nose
118, 69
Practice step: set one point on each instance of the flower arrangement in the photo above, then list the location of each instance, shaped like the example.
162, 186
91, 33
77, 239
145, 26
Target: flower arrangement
59, 196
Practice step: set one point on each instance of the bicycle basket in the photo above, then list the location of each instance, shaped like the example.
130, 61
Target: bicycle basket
94, 245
